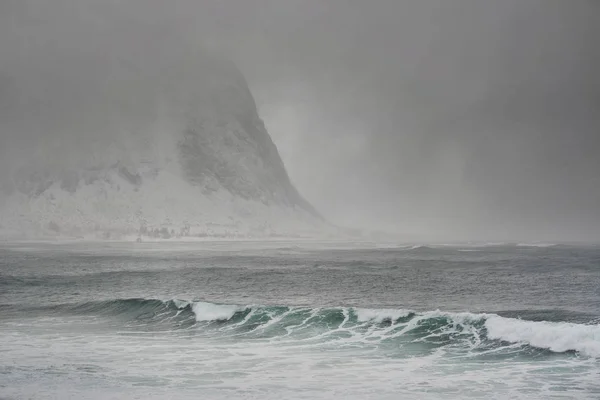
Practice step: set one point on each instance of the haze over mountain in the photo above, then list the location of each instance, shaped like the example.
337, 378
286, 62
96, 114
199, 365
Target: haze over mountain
438, 119
108, 142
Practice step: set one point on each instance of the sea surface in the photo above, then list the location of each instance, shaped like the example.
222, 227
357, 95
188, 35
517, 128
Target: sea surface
285, 320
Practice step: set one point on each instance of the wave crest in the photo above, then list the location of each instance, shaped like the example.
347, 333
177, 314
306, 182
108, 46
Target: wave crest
558, 337
215, 312
353, 326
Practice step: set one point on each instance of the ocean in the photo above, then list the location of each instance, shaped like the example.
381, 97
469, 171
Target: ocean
299, 320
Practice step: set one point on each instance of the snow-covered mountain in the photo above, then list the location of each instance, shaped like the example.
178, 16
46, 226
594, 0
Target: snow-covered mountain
178, 151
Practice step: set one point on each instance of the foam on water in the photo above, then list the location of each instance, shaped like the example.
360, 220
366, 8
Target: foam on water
173, 322
555, 336
359, 326
215, 312
380, 315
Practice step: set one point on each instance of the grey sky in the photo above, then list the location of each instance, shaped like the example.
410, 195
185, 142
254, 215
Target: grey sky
449, 118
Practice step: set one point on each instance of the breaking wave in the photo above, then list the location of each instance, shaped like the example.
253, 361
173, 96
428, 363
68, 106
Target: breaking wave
215, 312
352, 326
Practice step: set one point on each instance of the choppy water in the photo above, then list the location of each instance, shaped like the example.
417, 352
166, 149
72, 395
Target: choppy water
280, 320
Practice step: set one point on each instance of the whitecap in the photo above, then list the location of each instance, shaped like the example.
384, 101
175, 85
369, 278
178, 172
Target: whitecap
379, 315
215, 312
555, 336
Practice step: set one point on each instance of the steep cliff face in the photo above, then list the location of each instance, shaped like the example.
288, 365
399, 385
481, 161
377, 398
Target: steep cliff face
228, 143
177, 151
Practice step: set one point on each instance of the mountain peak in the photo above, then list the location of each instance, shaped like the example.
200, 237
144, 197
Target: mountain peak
176, 148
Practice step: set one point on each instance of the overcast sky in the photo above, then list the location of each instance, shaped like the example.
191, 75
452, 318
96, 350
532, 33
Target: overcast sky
449, 118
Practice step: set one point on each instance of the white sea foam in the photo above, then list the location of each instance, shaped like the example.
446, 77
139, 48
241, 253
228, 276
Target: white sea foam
180, 303
215, 312
379, 315
555, 336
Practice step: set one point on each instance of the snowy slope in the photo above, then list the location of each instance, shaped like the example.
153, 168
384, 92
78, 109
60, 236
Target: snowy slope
192, 159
